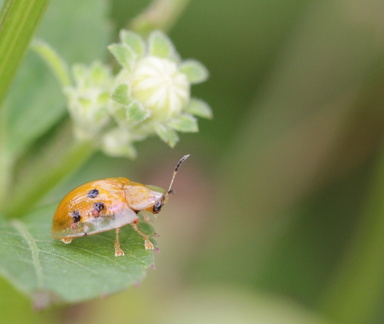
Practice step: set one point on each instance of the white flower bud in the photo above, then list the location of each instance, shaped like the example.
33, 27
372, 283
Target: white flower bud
152, 91
160, 86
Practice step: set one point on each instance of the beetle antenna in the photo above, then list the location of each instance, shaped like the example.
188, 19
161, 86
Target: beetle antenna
174, 175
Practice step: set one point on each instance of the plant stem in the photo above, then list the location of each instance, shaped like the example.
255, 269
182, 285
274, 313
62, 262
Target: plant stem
18, 21
76, 156
54, 62
354, 295
160, 14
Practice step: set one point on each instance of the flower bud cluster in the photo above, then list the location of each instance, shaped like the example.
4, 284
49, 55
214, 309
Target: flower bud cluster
149, 95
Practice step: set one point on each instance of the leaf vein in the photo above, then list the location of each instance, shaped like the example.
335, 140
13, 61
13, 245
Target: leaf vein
22, 229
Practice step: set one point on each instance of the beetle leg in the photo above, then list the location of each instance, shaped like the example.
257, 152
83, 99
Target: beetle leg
66, 240
118, 251
147, 243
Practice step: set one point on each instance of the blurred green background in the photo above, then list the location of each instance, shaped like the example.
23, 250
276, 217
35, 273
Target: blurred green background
277, 216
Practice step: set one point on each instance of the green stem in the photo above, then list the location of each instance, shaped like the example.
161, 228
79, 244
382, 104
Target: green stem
76, 156
354, 295
160, 14
54, 61
18, 21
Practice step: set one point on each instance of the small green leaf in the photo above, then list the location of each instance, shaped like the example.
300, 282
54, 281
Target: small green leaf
121, 95
195, 71
118, 111
168, 135
123, 54
125, 150
100, 74
199, 108
134, 41
184, 123
87, 268
161, 46
80, 74
118, 142
136, 112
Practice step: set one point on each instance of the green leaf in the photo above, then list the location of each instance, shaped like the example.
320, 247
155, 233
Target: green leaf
123, 54
136, 112
168, 135
195, 71
161, 46
127, 150
121, 94
33, 106
80, 74
35, 186
100, 74
48, 270
117, 142
118, 112
77, 41
184, 123
134, 41
199, 108
18, 21
35, 102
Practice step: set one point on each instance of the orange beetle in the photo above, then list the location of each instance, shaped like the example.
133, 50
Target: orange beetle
107, 204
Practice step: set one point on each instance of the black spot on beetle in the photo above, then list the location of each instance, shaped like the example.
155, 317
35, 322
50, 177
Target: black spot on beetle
99, 206
76, 216
93, 193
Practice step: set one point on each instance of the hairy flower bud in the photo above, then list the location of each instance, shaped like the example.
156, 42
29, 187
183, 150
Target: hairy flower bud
160, 86
152, 92
88, 99
149, 95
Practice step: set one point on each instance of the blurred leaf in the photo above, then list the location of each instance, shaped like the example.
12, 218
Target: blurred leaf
167, 134
199, 108
16, 308
134, 41
184, 123
18, 21
44, 178
116, 142
123, 54
136, 112
120, 94
31, 110
195, 71
161, 46
35, 102
85, 38
49, 271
